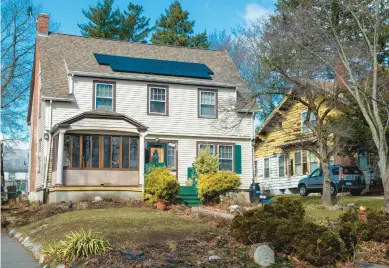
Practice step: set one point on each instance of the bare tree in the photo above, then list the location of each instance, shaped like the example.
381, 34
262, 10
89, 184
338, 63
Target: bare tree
316, 41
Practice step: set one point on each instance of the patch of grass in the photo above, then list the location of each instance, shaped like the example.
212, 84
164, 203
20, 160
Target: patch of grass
119, 225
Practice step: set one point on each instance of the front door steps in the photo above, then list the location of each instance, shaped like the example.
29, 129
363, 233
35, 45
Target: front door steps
188, 196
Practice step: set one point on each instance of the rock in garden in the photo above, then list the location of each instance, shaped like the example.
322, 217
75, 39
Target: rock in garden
236, 210
352, 206
338, 207
213, 258
98, 198
61, 266
264, 255
12, 232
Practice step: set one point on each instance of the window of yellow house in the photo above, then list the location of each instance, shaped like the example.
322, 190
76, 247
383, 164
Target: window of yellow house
267, 168
298, 163
281, 166
313, 164
305, 162
312, 120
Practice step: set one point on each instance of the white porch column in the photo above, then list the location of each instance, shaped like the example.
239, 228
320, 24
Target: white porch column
142, 160
61, 138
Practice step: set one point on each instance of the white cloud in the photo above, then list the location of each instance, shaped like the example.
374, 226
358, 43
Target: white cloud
253, 12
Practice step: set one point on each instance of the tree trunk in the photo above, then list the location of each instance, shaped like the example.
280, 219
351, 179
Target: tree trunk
2, 168
326, 196
384, 170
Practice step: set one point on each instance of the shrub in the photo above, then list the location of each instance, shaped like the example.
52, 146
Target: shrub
205, 163
378, 225
211, 186
78, 245
387, 252
161, 185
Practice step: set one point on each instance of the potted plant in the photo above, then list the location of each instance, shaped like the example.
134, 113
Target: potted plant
161, 187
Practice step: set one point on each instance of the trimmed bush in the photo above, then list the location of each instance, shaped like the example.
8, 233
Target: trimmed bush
284, 226
161, 185
78, 245
387, 252
212, 186
205, 163
378, 225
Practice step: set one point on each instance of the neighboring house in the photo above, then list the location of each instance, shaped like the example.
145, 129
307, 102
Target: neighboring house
101, 110
15, 162
280, 161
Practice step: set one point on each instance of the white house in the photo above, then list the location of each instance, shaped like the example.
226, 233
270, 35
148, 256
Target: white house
100, 110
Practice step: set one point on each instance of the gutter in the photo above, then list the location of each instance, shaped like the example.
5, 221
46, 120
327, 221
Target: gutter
154, 79
252, 144
57, 99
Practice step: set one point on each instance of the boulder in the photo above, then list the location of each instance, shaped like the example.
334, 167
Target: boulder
338, 207
236, 210
18, 235
42, 259
213, 258
352, 206
264, 255
98, 198
12, 232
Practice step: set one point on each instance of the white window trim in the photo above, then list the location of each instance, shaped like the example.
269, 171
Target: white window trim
232, 155
165, 101
175, 155
208, 144
112, 98
215, 94
301, 163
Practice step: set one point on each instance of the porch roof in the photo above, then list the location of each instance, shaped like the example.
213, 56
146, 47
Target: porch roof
100, 114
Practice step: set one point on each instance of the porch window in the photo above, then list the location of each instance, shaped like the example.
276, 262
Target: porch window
157, 100
207, 104
225, 157
297, 163
101, 152
171, 156
281, 166
267, 168
210, 147
104, 96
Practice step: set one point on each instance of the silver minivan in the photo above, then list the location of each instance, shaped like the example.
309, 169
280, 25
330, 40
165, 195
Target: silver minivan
343, 179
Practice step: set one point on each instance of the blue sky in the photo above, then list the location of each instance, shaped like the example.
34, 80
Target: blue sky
208, 14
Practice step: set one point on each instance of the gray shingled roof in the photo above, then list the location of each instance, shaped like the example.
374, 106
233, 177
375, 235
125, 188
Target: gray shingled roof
61, 54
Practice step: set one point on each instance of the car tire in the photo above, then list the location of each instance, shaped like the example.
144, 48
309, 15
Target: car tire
355, 192
333, 190
303, 190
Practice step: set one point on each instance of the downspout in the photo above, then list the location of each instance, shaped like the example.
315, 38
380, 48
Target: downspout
48, 150
252, 144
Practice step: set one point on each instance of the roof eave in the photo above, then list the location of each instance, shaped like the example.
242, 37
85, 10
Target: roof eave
155, 79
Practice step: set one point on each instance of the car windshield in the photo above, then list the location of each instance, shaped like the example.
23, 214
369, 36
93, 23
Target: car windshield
351, 170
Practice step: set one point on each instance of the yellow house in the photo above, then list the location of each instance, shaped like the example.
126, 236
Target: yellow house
280, 160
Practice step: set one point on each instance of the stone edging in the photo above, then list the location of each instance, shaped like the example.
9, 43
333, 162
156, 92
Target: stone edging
26, 242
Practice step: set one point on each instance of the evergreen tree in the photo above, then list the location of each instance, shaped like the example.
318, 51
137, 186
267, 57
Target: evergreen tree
175, 28
104, 21
133, 26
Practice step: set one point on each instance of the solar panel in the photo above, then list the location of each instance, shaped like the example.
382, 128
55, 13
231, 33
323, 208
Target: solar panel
152, 66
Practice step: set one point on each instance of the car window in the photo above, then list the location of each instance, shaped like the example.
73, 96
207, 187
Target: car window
335, 171
316, 173
351, 170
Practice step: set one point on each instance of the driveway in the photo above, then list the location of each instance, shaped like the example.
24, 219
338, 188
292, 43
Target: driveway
14, 255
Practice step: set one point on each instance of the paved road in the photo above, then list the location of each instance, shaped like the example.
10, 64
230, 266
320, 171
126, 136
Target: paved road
14, 255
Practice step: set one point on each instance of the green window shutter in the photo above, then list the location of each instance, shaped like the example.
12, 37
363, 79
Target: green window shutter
238, 158
190, 170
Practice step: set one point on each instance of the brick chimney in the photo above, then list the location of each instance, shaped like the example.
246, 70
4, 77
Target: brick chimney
42, 26
341, 73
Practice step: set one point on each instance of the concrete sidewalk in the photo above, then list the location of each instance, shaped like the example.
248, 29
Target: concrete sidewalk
14, 255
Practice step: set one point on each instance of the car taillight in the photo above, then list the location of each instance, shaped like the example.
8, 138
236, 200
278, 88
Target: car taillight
341, 175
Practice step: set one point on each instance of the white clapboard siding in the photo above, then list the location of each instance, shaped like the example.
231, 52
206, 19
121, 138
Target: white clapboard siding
273, 165
131, 100
41, 152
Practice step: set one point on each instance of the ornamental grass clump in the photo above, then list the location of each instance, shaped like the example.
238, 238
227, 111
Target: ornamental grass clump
212, 186
161, 185
78, 245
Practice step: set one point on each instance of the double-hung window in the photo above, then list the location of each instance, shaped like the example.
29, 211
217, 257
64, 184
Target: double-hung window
267, 167
312, 162
208, 104
281, 166
312, 121
298, 163
158, 100
104, 96
171, 156
225, 157
210, 147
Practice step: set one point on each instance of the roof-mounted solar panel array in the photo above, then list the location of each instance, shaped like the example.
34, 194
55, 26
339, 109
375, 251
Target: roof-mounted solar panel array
152, 66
